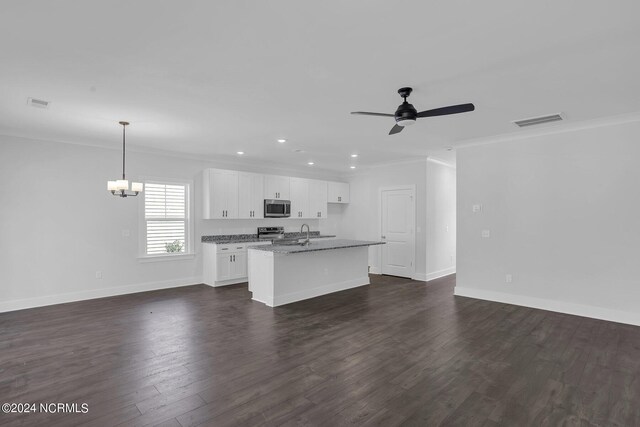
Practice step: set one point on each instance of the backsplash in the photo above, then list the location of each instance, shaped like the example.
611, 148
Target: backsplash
248, 226
250, 237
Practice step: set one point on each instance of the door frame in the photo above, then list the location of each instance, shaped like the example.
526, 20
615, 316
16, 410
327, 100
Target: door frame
412, 188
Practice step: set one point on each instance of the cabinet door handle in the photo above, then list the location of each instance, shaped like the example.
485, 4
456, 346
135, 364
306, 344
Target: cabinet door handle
230, 258
234, 258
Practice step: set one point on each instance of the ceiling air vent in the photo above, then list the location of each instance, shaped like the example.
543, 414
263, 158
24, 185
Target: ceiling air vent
38, 103
538, 120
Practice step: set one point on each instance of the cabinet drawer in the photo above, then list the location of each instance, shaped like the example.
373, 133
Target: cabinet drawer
231, 247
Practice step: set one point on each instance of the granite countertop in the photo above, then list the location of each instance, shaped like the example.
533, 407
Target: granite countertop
315, 246
248, 238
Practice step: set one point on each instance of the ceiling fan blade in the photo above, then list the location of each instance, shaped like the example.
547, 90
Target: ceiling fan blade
396, 129
365, 113
444, 111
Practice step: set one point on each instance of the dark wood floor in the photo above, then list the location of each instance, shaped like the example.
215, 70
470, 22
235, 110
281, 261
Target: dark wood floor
396, 352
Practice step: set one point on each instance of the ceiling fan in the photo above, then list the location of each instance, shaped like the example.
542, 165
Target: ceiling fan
406, 114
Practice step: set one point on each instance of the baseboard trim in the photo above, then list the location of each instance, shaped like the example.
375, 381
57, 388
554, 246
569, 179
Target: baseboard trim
374, 270
551, 305
440, 273
22, 304
228, 282
320, 290
422, 277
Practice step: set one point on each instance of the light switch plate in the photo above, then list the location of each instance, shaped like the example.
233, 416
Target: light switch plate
476, 208
486, 233
126, 233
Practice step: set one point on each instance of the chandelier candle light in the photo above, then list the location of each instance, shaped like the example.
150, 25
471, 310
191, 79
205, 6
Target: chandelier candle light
120, 187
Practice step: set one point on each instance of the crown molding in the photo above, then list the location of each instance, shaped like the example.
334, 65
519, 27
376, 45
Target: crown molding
223, 161
558, 128
441, 162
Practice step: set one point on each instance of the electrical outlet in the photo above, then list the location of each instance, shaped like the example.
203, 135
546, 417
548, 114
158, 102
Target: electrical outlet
446, 228
486, 233
476, 208
126, 233
98, 274
508, 278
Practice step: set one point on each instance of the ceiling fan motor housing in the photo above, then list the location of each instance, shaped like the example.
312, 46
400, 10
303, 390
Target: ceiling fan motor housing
406, 114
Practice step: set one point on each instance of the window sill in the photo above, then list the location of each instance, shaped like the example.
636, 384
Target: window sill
159, 258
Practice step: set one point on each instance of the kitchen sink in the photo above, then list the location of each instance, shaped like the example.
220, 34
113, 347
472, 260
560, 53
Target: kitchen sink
291, 243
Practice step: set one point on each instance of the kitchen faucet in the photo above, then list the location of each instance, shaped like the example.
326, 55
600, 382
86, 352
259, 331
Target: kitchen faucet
306, 242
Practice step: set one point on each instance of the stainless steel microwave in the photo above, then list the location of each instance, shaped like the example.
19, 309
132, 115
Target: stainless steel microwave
274, 208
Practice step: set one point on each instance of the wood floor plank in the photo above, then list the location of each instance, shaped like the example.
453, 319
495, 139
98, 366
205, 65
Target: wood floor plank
397, 352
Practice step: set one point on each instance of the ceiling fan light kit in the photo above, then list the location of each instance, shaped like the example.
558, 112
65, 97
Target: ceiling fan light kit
120, 187
406, 114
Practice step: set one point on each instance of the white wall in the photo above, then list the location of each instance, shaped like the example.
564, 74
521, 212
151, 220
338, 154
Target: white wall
441, 219
59, 225
360, 218
563, 214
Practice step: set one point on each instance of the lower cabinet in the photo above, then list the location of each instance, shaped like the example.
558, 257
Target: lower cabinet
226, 264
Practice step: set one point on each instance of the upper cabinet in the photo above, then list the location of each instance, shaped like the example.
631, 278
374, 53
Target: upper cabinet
250, 195
220, 194
317, 199
299, 197
231, 194
338, 192
277, 187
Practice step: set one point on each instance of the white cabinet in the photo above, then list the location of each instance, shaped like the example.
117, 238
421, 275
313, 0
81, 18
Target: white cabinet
250, 195
220, 194
240, 264
317, 199
299, 198
223, 266
231, 194
338, 192
308, 198
276, 187
226, 264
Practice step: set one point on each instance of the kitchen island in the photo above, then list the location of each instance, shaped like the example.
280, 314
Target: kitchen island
280, 274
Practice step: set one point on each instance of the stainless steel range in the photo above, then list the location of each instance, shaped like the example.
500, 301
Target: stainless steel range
270, 233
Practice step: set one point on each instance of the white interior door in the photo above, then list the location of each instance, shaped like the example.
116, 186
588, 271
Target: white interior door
398, 224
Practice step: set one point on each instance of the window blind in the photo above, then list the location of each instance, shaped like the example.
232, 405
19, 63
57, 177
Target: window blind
166, 216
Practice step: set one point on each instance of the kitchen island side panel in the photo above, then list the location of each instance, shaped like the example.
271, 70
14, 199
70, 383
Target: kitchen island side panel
299, 276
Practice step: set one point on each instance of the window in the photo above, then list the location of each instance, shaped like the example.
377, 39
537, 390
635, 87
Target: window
166, 219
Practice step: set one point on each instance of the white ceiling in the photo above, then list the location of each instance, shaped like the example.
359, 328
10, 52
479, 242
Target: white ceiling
213, 77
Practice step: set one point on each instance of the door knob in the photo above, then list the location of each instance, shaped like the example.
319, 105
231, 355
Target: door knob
384, 237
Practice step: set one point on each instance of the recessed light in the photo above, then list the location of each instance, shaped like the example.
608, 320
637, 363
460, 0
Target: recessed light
352, 167
354, 155
310, 163
240, 153
282, 141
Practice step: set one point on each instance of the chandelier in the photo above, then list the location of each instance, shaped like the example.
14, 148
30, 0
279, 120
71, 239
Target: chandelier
120, 187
